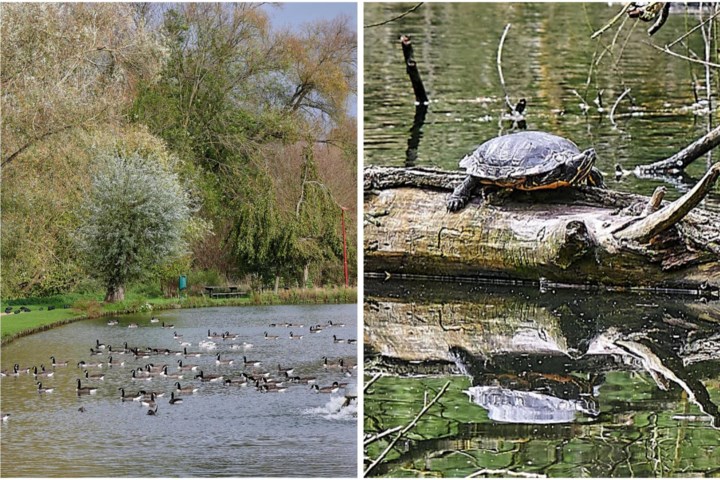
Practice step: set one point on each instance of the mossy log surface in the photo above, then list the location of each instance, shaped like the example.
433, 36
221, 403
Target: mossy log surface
574, 235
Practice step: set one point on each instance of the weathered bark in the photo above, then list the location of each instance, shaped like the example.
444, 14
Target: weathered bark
583, 235
115, 293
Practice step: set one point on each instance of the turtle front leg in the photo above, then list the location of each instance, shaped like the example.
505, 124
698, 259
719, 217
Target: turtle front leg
461, 195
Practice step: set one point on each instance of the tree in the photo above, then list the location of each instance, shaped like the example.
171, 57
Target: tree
133, 219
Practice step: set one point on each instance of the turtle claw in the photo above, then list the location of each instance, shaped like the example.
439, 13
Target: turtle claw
455, 204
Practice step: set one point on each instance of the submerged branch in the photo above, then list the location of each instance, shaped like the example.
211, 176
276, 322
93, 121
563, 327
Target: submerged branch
686, 156
407, 428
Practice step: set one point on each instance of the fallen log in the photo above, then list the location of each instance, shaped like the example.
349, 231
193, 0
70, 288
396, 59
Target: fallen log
579, 235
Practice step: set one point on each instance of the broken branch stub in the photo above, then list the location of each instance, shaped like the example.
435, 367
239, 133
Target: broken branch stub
657, 222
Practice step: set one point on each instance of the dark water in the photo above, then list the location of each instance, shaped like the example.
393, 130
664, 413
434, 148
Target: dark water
218, 431
557, 383
547, 55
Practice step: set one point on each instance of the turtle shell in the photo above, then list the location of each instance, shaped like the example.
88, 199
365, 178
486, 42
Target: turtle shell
518, 155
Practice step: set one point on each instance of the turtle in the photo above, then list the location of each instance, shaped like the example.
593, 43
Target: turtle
526, 160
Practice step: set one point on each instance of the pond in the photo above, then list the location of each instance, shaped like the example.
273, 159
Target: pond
549, 59
556, 383
220, 430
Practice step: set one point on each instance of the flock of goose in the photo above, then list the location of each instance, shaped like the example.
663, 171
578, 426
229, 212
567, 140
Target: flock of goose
158, 372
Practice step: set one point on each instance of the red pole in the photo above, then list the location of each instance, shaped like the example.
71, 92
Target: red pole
345, 263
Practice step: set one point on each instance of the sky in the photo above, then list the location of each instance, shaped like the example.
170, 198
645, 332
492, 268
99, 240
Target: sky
292, 14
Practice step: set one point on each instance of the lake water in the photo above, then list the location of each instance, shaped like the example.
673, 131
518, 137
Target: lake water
221, 430
574, 383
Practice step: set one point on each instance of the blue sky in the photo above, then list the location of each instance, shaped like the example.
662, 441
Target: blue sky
291, 14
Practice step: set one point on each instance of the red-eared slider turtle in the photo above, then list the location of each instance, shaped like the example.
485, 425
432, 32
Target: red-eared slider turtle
525, 161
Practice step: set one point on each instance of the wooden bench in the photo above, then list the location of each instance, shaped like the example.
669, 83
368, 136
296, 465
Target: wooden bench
224, 292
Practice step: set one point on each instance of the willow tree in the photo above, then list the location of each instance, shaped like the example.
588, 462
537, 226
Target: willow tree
133, 219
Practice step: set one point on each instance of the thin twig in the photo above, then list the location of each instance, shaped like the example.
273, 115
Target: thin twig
371, 381
678, 40
406, 429
396, 18
499, 65
488, 471
612, 112
674, 54
610, 23
382, 435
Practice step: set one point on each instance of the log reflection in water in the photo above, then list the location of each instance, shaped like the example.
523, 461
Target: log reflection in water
541, 359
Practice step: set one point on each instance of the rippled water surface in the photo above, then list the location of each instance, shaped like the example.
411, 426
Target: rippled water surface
555, 383
549, 59
222, 430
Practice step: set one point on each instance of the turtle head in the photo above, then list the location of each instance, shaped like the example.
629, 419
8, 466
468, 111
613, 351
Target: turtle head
579, 167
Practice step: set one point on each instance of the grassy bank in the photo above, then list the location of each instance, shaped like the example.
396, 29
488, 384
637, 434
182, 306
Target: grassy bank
70, 308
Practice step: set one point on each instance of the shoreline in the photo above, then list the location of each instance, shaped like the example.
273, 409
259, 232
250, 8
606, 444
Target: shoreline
315, 297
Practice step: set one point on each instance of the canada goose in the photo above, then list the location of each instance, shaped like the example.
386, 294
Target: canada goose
223, 362
85, 390
295, 337
331, 389
111, 363
169, 325
84, 364
315, 328
185, 389
338, 340
126, 398
5, 416
95, 376
272, 388
99, 345
330, 323
165, 374
191, 354
238, 382
112, 322
185, 368
150, 367
229, 336
176, 336
208, 378
43, 373
58, 364
173, 400
153, 411
334, 366
286, 371
44, 390
149, 402
154, 320
254, 363
214, 335
95, 352
133, 325
296, 379
271, 337
351, 341
19, 370
140, 375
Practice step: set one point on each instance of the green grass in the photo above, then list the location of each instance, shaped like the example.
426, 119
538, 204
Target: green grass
91, 305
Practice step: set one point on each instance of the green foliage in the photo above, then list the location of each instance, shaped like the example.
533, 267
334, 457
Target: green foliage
133, 219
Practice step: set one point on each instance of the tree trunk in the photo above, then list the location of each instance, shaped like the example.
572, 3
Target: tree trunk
306, 275
115, 293
277, 284
583, 235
